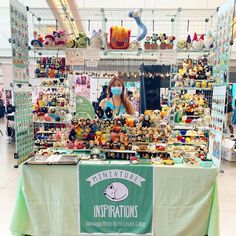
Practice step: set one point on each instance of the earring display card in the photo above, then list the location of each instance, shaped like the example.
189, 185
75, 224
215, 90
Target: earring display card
22, 92
221, 52
23, 122
19, 42
217, 124
218, 108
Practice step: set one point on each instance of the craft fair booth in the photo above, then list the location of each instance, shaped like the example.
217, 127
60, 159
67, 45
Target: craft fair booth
86, 168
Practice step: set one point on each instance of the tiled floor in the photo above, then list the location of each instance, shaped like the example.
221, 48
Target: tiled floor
9, 179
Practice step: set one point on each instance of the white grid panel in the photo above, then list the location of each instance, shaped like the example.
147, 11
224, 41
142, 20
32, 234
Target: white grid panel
92, 19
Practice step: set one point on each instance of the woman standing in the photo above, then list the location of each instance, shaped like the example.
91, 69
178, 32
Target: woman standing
116, 100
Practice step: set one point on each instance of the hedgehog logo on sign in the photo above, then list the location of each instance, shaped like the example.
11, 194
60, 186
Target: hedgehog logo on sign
116, 192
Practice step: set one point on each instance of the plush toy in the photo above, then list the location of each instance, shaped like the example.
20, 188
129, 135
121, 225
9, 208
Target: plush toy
208, 41
49, 40
181, 44
99, 112
188, 42
109, 112
47, 117
71, 43
170, 42
62, 114
37, 41
59, 38
146, 121
134, 45
163, 39
119, 37
136, 16
70, 145
197, 44
147, 43
82, 40
79, 144
96, 40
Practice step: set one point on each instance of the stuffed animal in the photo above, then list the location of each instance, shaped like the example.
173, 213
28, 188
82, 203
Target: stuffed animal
82, 40
136, 16
134, 45
147, 43
62, 114
208, 41
70, 145
37, 41
181, 44
146, 121
59, 38
71, 43
49, 40
188, 42
170, 41
119, 37
109, 112
163, 38
96, 40
99, 112
197, 44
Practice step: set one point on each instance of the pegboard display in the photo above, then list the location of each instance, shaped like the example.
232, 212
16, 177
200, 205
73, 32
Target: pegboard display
19, 42
222, 50
23, 116
23, 122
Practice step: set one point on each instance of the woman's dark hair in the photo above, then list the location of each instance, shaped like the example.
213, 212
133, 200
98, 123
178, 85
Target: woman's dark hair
123, 97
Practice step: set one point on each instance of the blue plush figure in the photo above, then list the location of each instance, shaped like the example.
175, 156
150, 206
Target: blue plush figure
136, 16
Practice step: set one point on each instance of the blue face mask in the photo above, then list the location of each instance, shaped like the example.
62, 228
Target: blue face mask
116, 91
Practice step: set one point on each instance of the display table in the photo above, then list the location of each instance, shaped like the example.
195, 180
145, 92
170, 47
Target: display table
185, 201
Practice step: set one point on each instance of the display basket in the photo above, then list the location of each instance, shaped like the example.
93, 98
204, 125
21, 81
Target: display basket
178, 160
206, 164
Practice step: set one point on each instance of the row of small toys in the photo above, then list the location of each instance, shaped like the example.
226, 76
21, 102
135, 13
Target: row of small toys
197, 43
119, 133
165, 41
51, 67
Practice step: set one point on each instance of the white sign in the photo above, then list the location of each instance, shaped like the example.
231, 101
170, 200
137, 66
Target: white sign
115, 174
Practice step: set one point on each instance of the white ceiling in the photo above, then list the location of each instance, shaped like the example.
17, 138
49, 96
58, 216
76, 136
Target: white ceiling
200, 4
128, 3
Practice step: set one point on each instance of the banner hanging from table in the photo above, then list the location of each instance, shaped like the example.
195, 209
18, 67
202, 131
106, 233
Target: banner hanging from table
115, 199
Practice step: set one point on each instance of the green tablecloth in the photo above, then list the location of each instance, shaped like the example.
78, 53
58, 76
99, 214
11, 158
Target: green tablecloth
185, 202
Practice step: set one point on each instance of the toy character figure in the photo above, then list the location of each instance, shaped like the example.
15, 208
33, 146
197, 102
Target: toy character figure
146, 121
99, 112
119, 37
109, 112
